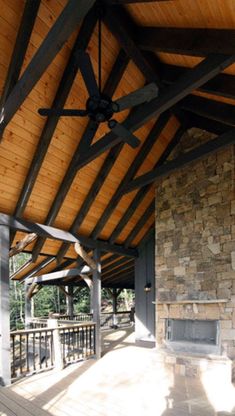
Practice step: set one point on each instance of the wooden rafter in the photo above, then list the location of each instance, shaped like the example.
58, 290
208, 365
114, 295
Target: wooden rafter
193, 42
20, 47
204, 123
133, 169
222, 85
143, 191
88, 135
63, 90
120, 24
214, 110
49, 48
36, 269
222, 141
144, 218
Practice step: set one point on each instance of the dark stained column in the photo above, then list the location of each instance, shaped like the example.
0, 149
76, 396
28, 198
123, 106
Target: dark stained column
5, 364
28, 307
97, 301
70, 302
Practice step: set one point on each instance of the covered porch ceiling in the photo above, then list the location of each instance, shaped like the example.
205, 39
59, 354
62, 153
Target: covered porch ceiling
67, 173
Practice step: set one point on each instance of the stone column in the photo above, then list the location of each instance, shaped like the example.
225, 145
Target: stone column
5, 357
97, 301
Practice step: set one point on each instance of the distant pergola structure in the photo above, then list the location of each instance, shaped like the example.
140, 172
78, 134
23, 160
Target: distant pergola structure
66, 180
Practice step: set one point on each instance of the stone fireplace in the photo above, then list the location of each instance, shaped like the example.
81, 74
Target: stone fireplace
195, 257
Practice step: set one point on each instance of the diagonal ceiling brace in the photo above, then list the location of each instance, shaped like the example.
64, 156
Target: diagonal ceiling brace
222, 141
67, 22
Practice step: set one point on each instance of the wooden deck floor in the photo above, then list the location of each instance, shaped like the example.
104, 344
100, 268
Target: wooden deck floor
127, 381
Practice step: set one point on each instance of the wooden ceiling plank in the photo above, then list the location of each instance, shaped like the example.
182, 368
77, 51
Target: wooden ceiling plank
133, 169
221, 85
20, 47
184, 41
111, 84
214, 110
57, 234
220, 142
144, 218
64, 88
143, 191
120, 24
55, 39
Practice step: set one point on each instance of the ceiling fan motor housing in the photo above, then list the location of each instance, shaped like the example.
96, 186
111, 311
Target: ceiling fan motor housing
101, 108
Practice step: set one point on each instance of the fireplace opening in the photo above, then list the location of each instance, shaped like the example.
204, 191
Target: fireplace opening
193, 331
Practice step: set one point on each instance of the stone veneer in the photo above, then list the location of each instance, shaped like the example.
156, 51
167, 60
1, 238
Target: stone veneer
195, 244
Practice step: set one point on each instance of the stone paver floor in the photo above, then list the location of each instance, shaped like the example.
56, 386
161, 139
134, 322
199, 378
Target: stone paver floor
127, 381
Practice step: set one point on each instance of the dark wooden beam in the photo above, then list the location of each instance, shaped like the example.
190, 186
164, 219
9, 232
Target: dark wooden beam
222, 85
193, 42
120, 24
121, 2
142, 221
122, 275
143, 191
64, 88
58, 275
204, 123
53, 233
133, 169
214, 110
222, 141
88, 135
201, 73
93, 192
21, 44
65, 25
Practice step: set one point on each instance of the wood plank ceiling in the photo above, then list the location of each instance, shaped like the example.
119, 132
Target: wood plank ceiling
58, 172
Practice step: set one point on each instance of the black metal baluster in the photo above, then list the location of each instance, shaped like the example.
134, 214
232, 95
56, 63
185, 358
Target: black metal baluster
27, 352
40, 349
21, 354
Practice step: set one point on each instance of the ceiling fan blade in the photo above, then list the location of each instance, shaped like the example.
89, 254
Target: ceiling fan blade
61, 112
121, 131
88, 74
137, 97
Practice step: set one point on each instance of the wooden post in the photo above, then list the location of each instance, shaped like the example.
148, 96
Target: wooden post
5, 358
28, 307
69, 300
97, 301
115, 295
58, 357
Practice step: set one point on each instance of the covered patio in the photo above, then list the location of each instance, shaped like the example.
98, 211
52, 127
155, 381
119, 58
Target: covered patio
127, 380
117, 171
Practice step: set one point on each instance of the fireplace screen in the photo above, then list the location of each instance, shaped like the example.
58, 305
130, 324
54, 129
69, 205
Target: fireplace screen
195, 331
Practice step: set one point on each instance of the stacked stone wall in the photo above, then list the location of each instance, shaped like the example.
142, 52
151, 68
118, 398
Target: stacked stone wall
195, 243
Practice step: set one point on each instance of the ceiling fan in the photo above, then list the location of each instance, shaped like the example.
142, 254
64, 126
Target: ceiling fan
100, 107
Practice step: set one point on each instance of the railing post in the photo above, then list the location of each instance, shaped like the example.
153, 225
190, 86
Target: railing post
5, 357
58, 357
115, 296
97, 301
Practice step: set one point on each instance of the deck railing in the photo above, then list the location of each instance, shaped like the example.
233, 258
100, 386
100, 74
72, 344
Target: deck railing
35, 350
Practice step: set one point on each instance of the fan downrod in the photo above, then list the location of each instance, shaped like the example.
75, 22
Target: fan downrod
100, 108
